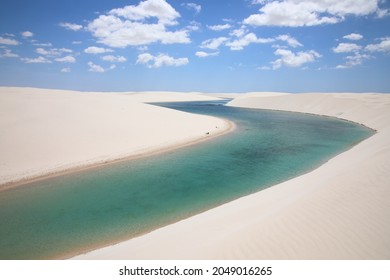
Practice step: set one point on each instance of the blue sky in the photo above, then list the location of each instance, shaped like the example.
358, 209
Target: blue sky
196, 45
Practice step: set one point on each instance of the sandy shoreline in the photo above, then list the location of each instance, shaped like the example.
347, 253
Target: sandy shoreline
52, 132
338, 211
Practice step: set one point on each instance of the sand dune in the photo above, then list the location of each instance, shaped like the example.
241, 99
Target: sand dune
47, 131
338, 211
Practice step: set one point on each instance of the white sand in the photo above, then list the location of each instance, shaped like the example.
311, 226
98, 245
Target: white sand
47, 131
338, 211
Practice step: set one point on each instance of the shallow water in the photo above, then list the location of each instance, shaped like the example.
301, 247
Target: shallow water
71, 213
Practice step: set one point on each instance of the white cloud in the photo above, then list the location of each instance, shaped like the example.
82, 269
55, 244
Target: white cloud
244, 41
159, 9
142, 48
144, 58
346, 47
52, 52
65, 50
27, 34
205, 54
8, 54
66, 70
39, 59
214, 43
219, 27
194, 26
192, 6
311, 12
341, 66
8, 41
289, 40
353, 37
383, 46
42, 51
96, 50
114, 32
380, 13
247, 39
290, 59
43, 44
261, 2
354, 60
264, 68
66, 59
71, 26
359, 53
128, 26
95, 68
239, 32
112, 58
357, 59
160, 60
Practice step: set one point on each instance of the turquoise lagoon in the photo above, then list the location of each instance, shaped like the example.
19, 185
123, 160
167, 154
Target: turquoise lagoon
73, 213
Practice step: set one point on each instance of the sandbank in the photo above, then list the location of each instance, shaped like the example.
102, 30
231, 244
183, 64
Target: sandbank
340, 210
45, 131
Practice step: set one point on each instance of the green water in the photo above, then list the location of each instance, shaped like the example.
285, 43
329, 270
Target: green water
68, 214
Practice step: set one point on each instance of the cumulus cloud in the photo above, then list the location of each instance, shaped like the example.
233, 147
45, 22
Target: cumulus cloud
112, 58
66, 59
8, 41
353, 37
27, 34
160, 60
39, 59
380, 13
219, 27
144, 58
346, 47
95, 68
65, 70
129, 26
43, 51
264, 68
240, 39
256, 2
192, 6
244, 41
159, 9
383, 46
43, 44
8, 54
53, 52
354, 60
296, 13
205, 54
239, 32
359, 53
290, 59
193, 26
214, 43
250, 38
96, 50
289, 40
71, 26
